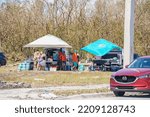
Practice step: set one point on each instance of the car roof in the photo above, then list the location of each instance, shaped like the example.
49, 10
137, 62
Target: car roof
145, 57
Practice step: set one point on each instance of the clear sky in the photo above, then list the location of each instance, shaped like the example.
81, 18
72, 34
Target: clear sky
2, 1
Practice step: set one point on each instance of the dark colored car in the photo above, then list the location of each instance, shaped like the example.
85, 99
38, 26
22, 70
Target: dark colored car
134, 78
2, 59
112, 61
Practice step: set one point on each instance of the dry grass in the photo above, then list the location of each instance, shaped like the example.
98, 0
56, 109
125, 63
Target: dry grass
77, 92
47, 78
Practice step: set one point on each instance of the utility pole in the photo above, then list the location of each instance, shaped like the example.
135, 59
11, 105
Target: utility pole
128, 32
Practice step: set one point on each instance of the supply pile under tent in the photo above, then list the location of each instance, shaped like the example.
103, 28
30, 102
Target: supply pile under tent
49, 41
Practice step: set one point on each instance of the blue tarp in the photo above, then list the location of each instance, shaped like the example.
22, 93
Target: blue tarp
100, 47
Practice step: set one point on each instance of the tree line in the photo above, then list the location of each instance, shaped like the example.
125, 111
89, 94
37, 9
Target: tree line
78, 22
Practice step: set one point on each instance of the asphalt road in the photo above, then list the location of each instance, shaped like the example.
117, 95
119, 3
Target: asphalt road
45, 93
109, 96
42, 93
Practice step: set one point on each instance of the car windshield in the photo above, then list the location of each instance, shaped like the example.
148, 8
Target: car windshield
1, 55
109, 56
140, 63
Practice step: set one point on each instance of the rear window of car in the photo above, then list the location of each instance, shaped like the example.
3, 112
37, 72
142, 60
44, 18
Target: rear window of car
109, 56
2, 54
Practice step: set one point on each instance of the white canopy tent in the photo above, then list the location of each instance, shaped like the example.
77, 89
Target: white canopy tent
49, 41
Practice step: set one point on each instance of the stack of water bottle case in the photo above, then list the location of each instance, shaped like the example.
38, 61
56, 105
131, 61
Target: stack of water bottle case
26, 65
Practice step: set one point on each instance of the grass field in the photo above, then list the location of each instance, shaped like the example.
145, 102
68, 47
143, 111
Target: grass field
47, 78
77, 92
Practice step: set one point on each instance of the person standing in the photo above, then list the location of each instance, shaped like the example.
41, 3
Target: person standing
42, 64
75, 60
40, 59
60, 56
64, 61
35, 58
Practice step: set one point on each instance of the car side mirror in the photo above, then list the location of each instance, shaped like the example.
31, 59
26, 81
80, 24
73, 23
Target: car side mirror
126, 66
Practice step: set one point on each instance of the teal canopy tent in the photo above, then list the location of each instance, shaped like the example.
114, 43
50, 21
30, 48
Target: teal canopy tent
100, 47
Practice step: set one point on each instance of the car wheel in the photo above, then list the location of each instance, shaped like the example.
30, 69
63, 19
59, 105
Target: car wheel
5, 62
119, 93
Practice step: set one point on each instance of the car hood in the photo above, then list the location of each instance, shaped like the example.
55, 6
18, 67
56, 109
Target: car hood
132, 72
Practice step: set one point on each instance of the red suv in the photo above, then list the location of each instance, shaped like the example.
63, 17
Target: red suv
134, 78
